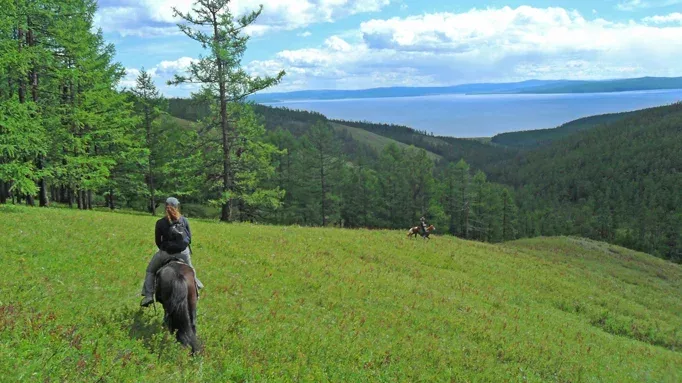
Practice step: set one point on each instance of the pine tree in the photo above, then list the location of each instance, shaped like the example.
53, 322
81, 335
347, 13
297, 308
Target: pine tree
419, 172
323, 161
221, 76
253, 166
463, 198
285, 169
509, 215
23, 140
479, 206
360, 196
451, 207
149, 106
393, 188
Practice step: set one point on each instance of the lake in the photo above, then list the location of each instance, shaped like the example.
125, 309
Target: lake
484, 115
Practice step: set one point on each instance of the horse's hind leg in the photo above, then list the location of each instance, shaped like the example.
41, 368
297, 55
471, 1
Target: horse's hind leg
192, 298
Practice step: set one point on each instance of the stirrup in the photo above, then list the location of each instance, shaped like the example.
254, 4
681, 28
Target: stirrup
146, 301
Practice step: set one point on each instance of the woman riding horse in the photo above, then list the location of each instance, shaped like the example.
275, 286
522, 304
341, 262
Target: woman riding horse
173, 237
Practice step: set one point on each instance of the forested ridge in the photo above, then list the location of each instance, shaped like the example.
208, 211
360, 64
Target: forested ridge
610, 177
619, 183
539, 137
332, 178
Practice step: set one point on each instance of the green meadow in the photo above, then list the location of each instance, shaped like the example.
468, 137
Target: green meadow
291, 304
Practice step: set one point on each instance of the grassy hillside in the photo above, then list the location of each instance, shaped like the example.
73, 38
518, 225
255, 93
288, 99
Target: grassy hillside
533, 138
374, 140
475, 152
294, 304
298, 122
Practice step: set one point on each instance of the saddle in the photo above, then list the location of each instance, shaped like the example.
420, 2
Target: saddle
180, 261
169, 261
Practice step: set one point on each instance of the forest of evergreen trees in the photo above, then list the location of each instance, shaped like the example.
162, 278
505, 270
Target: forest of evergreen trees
69, 135
619, 183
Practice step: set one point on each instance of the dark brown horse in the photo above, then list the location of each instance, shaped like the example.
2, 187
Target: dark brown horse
176, 290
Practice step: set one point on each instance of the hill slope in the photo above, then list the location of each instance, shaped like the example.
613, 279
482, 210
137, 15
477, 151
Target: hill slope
285, 304
619, 182
620, 85
376, 141
299, 122
475, 152
533, 138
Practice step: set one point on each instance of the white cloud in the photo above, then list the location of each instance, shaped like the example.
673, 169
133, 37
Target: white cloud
671, 18
130, 79
176, 66
132, 21
631, 5
161, 73
305, 34
503, 44
155, 17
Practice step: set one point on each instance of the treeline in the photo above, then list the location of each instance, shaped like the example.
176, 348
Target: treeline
391, 191
65, 132
536, 138
618, 183
329, 178
70, 135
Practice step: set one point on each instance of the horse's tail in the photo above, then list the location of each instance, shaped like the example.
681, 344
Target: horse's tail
178, 312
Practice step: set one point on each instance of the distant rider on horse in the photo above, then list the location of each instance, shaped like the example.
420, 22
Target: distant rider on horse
422, 226
173, 237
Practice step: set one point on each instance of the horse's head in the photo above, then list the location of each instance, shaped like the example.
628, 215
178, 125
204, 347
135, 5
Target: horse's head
431, 228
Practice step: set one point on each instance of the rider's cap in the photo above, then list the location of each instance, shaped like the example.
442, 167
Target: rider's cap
172, 201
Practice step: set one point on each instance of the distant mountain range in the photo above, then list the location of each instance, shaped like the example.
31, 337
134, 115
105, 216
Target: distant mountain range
524, 87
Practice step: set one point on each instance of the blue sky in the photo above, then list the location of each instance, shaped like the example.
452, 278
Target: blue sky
355, 44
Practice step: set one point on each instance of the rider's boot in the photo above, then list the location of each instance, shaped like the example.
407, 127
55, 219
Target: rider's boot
146, 301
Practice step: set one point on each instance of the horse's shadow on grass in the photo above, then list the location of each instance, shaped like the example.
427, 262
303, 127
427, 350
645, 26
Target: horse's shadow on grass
145, 325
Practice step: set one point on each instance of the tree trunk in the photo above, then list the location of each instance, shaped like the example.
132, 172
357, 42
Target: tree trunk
89, 199
504, 219
111, 199
70, 196
29, 200
79, 199
22, 85
33, 81
3, 192
466, 221
324, 191
152, 198
42, 184
10, 86
226, 213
